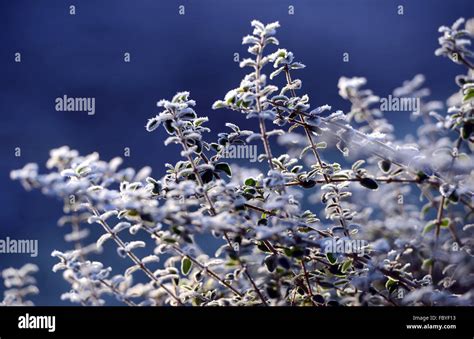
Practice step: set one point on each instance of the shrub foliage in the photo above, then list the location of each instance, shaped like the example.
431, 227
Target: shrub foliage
388, 224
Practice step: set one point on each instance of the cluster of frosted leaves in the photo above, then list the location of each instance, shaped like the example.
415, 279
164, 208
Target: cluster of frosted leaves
374, 135
270, 247
171, 210
455, 41
91, 282
20, 285
84, 277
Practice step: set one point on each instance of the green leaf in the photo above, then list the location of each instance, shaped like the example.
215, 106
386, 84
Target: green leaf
326, 284
346, 265
250, 182
169, 126
296, 169
391, 284
426, 208
271, 262
83, 169
331, 258
186, 265
218, 104
294, 252
223, 167
262, 247
284, 262
308, 183
250, 190
429, 226
318, 298
421, 176
385, 165
199, 121
453, 197
427, 263
445, 222
467, 130
369, 183
207, 176
469, 95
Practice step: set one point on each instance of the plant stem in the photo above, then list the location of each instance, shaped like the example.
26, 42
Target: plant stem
263, 130
439, 219
306, 276
212, 211
115, 291
131, 255
309, 137
206, 270
439, 216
381, 179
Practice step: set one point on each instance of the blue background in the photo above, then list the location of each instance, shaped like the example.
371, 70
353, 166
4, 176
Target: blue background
82, 56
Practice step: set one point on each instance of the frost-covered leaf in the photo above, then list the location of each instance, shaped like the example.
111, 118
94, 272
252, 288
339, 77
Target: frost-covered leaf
186, 265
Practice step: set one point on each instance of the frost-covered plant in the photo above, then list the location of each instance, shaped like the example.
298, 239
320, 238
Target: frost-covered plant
403, 250
20, 285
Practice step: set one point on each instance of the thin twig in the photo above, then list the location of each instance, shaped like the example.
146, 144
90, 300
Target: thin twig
212, 211
131, 255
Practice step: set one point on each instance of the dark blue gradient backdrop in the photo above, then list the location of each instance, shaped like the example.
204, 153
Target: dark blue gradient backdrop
82, 56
